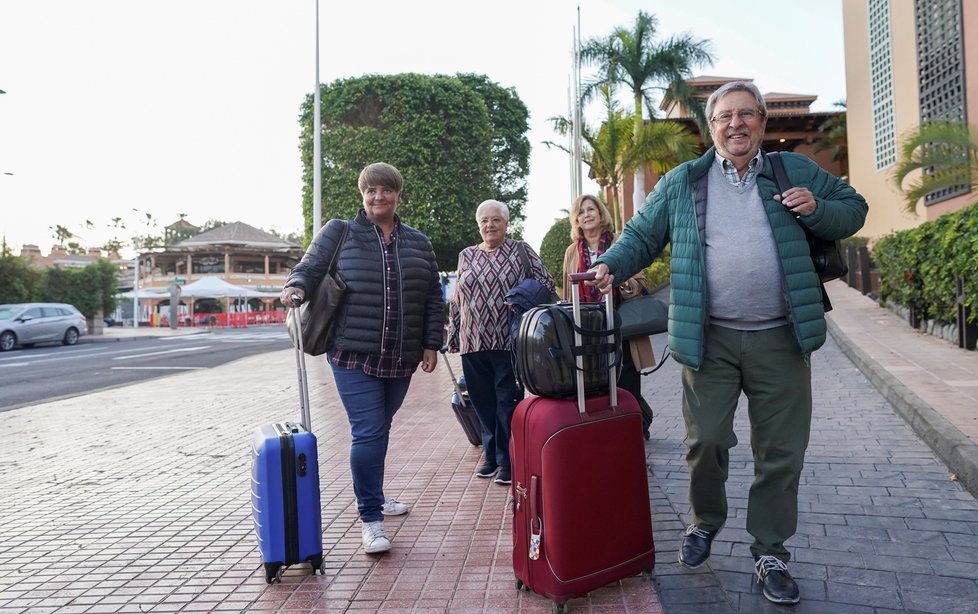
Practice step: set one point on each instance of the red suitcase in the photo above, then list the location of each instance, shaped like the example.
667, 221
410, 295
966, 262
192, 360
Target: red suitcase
581, 515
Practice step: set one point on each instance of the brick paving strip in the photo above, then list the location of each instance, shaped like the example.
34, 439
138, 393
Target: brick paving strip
137, 499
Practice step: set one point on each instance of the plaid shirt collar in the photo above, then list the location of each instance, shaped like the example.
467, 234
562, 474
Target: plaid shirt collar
730, 171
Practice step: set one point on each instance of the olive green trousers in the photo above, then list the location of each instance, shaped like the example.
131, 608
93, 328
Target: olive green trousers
767, 365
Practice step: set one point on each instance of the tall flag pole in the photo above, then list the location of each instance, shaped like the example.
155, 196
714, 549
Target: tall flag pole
317, 158
578, 116
574, 167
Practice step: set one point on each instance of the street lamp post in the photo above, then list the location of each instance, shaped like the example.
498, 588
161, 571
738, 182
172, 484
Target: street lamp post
135, 293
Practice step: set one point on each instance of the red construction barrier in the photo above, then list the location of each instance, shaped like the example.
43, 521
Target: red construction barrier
234, 320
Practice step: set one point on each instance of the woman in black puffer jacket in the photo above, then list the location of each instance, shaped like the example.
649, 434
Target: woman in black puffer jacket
390, 320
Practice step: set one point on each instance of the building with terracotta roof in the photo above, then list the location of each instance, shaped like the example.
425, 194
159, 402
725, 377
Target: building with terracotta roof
235, 253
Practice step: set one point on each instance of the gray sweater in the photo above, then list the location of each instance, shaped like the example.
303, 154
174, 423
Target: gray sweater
743, 271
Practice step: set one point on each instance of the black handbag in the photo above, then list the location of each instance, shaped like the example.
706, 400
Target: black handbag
642, 316
826, 254
317, 312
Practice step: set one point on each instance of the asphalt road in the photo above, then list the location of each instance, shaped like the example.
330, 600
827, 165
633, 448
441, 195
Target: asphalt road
47, 372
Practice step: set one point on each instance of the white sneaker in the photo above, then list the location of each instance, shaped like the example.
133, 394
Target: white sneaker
392, 507
375, 538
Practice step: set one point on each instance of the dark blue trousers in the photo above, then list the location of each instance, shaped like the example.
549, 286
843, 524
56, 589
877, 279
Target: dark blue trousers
492, 387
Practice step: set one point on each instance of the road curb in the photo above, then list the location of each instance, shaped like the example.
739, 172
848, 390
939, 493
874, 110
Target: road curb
135, 337
952, 446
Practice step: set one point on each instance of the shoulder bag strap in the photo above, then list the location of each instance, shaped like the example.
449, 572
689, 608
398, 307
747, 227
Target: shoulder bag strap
525, 258
339, 246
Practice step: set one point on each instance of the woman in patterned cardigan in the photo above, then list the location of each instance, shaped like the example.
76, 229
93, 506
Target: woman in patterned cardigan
478, 327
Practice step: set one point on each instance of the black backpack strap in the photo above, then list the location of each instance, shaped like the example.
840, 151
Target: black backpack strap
781, 177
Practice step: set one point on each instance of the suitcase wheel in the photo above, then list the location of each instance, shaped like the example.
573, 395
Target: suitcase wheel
318, 564
519, 585
558, 608
273, 572
648, 573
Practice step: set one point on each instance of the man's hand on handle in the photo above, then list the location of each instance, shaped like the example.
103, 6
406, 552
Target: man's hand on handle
603, 280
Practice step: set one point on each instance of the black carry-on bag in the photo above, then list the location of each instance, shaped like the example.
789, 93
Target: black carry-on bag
285, 500
462, 407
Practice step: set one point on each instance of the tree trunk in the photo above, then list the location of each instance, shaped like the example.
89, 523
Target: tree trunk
616, 213
638, 188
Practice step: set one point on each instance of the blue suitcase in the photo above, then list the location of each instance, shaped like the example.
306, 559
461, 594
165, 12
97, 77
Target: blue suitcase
285, 488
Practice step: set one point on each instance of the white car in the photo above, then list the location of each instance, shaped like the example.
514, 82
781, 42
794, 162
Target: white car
28, 323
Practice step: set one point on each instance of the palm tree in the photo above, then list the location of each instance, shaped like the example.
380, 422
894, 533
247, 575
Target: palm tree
946, 153
634, 59
834, 136
613, 151
61, 233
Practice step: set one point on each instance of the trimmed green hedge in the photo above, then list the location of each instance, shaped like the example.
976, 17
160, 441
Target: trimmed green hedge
920, 267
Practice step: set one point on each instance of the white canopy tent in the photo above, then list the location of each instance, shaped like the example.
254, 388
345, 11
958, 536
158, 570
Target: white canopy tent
157, 293
213, 287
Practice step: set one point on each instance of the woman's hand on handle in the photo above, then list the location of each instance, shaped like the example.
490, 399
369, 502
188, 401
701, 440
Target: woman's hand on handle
429, 361
287, 295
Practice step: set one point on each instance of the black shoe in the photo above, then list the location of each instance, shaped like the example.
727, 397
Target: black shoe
779, 587
504, 476
486, 470
696, 546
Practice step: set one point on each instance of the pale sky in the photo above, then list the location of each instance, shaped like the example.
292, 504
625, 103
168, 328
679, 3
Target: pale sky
191, 106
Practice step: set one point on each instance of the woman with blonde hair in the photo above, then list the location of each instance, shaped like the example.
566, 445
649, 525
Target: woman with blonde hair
592, 232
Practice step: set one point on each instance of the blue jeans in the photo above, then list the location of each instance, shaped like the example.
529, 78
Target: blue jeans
492, 387
370, 404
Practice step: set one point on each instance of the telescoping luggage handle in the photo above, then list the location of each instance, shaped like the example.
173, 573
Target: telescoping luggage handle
451, 373
575, 279
305, 417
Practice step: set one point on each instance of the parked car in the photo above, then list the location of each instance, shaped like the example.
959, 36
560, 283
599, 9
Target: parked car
28, 323
109, 321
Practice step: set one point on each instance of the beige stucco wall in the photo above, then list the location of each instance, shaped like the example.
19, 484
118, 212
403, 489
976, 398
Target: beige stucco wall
886, 207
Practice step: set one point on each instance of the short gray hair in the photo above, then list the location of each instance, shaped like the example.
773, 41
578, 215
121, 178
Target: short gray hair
503, 209
735, 86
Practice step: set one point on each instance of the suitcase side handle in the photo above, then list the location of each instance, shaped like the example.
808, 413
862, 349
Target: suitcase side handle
305, 415
575, 279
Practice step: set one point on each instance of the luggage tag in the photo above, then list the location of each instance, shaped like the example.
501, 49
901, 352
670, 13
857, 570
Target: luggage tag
534, 553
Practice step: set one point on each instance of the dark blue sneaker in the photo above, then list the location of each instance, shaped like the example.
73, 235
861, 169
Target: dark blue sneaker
779, 587
696, 546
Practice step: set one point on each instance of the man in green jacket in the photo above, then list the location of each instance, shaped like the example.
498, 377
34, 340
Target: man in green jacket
745, 315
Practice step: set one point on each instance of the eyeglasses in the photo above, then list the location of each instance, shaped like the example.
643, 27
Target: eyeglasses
745, 115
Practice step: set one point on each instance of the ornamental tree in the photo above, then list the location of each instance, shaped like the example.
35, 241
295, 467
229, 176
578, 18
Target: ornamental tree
456, 141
